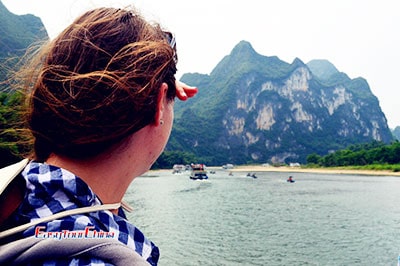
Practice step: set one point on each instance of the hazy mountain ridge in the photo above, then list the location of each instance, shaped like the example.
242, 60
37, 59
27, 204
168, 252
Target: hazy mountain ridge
322, 69
17, 33
254, 108
396, 133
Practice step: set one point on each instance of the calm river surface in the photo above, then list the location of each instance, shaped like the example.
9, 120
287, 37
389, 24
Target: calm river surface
321, 219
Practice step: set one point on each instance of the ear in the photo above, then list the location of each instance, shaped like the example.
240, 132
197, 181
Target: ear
161, 102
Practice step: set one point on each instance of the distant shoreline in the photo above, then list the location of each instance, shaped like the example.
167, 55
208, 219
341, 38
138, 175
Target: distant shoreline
256, 168
287, 169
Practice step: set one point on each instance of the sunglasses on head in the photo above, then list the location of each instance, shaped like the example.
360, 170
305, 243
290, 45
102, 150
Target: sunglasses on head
171, 39
172, 42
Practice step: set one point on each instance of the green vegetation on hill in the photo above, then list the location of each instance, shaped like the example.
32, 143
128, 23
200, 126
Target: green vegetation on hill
376, 155
17, 33
14, 143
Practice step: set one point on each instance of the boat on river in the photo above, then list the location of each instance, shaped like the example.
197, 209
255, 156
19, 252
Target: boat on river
253, 175
198, 172
178, 168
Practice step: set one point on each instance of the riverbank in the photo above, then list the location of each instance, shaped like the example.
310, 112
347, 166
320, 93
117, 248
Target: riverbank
260, 168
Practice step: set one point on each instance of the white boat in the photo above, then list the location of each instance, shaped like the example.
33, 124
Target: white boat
198, 171
178, 168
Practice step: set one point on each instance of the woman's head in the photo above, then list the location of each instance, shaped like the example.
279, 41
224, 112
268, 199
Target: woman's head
98, 83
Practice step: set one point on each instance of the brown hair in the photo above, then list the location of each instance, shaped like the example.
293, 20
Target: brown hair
98, 83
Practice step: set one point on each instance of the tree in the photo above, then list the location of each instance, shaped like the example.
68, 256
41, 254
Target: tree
313, 158
14, 143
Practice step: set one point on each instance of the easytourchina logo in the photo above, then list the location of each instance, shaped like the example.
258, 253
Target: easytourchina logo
88, 233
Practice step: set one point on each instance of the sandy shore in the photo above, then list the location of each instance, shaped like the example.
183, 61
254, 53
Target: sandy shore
255, 168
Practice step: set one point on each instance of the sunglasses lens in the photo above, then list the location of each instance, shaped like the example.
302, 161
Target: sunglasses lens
171, 39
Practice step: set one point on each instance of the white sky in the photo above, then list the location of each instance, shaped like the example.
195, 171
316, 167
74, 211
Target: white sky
360, 37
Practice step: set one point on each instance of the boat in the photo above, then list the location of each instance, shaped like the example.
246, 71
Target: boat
178, 168
198, 172
252, 175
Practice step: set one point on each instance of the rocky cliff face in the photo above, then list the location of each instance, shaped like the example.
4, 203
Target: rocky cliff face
265, 110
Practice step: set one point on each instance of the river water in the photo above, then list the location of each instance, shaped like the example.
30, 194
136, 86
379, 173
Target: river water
321, 219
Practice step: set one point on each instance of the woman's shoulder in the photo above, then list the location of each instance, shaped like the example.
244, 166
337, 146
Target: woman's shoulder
68, 252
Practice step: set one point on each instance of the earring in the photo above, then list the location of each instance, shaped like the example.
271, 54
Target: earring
161, 122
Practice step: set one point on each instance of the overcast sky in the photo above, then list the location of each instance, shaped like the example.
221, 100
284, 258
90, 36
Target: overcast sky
360, 37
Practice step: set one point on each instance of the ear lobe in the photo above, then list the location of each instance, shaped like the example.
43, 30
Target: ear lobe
161, 102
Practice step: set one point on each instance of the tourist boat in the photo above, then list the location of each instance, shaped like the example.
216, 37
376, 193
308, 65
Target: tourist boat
198, 172
178, 168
